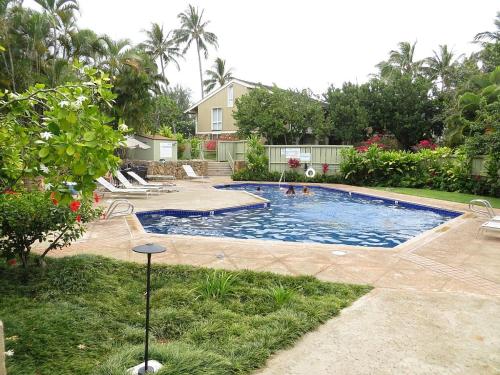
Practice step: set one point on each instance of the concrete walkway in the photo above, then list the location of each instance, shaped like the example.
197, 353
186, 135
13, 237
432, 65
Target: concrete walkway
435, 308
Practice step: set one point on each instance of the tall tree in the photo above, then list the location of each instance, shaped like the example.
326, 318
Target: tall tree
490, 36
55, 9
217, 75
163, 47
401, 61
193, 29
441, 66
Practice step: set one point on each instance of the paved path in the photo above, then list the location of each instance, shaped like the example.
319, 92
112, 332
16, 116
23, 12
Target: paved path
435, 309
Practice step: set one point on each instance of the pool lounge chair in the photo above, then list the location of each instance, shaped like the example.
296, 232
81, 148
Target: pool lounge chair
126, 183
145, 183
490, 225
123, 192
191, 173
483, 207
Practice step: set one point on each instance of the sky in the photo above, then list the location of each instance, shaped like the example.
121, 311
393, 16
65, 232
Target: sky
300, 44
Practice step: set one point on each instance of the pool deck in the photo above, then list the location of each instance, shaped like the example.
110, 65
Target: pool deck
435, 307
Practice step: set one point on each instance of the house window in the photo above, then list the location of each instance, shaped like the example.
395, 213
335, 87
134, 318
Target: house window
230, 97
216, 118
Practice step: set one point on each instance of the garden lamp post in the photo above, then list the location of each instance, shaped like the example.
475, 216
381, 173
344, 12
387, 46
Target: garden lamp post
149, 249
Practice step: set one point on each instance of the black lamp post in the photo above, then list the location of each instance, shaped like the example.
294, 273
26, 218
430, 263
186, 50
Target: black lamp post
149, 248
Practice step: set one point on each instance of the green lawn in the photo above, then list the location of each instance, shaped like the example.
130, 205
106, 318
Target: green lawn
85, 315
444, 195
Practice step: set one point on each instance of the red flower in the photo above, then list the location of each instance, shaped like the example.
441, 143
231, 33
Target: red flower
211, 145
53, 198
362, 148
78, 218
12, 262
293, 163
74, 206
325, 167
97, 198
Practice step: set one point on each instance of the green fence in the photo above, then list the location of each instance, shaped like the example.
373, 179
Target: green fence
312, 155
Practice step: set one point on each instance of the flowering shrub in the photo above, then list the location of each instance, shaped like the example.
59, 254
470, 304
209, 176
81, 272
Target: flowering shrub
425, 144
440, 169
325, 167
30, 217
293, 163
375, 140
211, 145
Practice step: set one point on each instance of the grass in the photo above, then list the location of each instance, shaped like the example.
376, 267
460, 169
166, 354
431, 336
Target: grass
85, 315
443, 195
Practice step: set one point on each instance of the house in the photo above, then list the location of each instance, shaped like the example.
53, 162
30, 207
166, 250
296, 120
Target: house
214, 113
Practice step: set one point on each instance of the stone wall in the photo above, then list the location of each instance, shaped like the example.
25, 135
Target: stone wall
170, 168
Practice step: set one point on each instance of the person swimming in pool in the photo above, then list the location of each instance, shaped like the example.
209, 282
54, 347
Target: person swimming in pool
290, 191
306, 191
258, 188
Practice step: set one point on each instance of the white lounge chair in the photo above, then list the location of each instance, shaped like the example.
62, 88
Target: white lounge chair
114, 190
490, 225
145, 183
483, 207
191, 173
126, 183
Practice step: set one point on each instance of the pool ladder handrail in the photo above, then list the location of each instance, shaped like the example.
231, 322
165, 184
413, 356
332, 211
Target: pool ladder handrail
114, 211
487, 211
282, 177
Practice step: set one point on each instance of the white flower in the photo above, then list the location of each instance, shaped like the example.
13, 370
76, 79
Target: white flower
64, 103
81, 346
9, 353
122, 127
46, 135
48, 186
81, 98
44, 168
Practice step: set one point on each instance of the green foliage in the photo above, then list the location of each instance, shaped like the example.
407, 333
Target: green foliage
402, 107
195, 144
217, 285
290, 176
257, 161
440, 169
347, 119
59, 133
167, 113
31, 217
278, 115
91, 309
281, 295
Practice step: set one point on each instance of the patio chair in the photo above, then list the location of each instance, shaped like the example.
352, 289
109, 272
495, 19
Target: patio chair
123, 192
490, 225
483, 207
145, 183
191, 173
126, 183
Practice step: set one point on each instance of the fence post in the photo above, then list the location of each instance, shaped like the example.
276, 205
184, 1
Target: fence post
3, 371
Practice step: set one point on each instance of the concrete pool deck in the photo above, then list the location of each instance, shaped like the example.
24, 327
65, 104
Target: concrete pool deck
435, 307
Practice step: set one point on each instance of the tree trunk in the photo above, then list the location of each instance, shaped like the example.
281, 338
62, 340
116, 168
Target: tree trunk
12, 71
199, 65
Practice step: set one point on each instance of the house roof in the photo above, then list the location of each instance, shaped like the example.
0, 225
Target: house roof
250, 85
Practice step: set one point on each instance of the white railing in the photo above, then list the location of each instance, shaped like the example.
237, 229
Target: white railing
230, 160
282, 177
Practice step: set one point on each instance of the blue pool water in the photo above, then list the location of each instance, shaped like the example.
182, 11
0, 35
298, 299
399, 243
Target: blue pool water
328, 216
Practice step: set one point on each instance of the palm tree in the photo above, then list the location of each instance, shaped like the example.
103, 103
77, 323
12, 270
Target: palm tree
193, 30
117, 53
400, 61
441, 66
162, 46
218, 75
54, 10
491, 36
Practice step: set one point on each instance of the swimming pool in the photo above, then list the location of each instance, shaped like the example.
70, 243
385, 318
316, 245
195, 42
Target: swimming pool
328, 216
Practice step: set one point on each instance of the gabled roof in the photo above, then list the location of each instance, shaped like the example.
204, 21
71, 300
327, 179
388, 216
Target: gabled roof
250, 85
